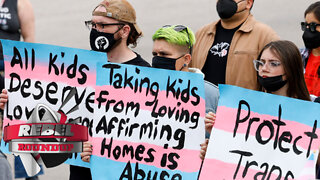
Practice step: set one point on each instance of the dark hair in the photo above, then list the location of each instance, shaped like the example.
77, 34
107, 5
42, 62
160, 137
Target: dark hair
291, 59
315, 9
133, 35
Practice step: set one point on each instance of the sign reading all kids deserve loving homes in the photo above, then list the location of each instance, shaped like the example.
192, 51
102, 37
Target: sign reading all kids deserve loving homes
148, 123
51, 92
258, 135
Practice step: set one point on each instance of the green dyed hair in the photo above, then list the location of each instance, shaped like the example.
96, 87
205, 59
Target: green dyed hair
175, 37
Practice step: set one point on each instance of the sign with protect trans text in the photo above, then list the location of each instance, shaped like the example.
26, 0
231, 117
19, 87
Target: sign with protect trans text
258, 135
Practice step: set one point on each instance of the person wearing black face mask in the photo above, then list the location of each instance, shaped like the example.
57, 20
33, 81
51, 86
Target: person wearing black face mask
227, 8
113, 28
311, 54
171, 50
280, 70
224, 49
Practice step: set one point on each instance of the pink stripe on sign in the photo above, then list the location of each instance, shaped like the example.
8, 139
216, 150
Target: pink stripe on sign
127, 95
310, 164
310, 177
40, 72
188, 161
296, 129
7, 121
214, 169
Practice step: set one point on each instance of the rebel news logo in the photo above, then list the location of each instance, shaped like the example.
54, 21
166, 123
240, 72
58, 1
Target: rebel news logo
48, 136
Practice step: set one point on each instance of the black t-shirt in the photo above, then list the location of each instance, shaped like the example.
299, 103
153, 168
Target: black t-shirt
138, 61
216, 62
9, 21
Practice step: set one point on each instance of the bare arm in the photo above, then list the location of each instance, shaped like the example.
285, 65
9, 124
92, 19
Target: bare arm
27, 22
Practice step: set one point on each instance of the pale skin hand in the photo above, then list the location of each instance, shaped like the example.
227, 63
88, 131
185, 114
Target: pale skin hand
203, 150
87, 151
3, 98
209, 121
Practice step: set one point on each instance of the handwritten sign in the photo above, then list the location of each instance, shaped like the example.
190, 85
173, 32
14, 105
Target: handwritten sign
148, 123
46, 74
143, 122
260, 135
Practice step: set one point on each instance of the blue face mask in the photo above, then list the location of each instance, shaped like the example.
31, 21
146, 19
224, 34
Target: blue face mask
164, 62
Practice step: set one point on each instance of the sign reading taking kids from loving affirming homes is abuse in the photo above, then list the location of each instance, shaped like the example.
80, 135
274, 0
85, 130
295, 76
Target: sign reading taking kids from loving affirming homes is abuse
258, 135
142, 122
51, 91
148, 123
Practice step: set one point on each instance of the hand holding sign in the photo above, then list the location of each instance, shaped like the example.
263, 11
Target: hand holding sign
209, 121
3, 98
86, 152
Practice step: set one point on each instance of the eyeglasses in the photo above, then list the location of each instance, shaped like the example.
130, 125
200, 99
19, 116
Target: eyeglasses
180, 28
311, 26
90, 25
258, 64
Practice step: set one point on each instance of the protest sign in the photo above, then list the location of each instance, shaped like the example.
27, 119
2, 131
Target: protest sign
258, 135
48, 85
148, 123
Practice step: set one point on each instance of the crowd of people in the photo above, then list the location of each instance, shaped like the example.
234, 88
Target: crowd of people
236, 49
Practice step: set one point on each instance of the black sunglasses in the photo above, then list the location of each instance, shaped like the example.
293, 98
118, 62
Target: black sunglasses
311, 26
180, 28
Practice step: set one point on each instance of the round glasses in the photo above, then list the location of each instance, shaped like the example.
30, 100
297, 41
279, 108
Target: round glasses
258, 64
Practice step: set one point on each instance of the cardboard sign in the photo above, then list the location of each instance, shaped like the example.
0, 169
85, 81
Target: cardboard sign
263, 136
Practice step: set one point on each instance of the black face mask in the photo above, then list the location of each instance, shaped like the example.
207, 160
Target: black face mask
227, 8
164, 62
272, 84
103, 42
311, 39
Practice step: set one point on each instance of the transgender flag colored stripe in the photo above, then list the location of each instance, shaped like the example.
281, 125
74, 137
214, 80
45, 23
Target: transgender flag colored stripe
113, 169
183, 162
227, 171
217, 167
40, 72
231, 113
256, 101
42, 53
141, 98
161, 76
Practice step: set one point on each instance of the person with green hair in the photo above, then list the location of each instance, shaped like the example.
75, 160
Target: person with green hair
172, 47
